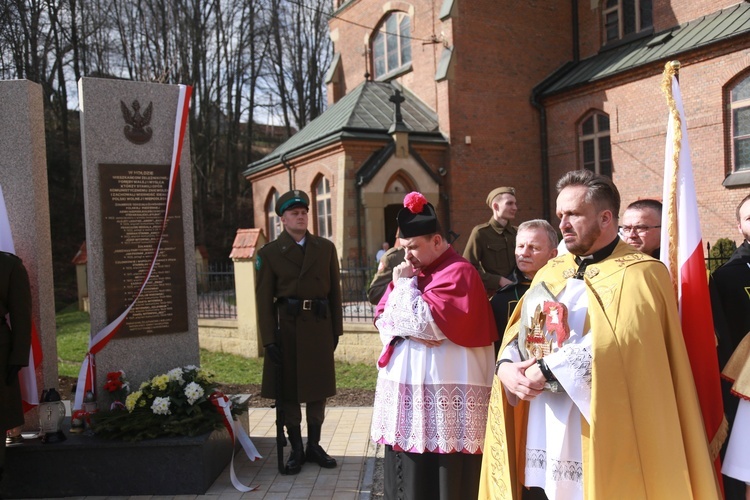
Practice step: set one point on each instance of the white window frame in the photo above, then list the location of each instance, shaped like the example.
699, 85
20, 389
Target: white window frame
403, 43
323, 217
273, 221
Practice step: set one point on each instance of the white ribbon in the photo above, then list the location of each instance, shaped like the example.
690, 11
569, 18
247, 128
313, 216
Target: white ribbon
237, 432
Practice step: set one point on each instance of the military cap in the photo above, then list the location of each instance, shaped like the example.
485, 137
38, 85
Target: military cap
417, 218
497, 191
291, 199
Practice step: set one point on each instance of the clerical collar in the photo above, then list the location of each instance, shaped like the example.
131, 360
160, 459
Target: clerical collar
598, 256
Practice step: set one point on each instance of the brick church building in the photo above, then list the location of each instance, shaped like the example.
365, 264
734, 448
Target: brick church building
513, 93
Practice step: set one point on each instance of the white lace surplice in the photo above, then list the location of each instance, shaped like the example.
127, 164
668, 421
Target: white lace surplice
554, 460
428, 399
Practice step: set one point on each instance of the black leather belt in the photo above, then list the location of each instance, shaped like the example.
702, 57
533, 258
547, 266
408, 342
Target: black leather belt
294, 306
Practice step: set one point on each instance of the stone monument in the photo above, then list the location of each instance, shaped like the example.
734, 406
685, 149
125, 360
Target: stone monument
128, 141
23, 177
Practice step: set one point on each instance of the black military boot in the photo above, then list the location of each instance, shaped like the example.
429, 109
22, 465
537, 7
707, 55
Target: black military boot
314, 451
297, 456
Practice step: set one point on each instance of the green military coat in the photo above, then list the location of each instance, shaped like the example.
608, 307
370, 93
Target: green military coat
384, 275
491, 249
286, 271
15, 342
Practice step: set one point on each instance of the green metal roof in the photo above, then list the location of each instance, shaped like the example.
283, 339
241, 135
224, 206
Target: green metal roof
719, 26
363, 113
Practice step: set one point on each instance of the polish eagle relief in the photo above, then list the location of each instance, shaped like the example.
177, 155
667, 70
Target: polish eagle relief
543, 326
136, 127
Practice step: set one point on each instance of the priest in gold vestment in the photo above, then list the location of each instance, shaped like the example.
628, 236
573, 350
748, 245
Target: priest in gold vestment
624, 419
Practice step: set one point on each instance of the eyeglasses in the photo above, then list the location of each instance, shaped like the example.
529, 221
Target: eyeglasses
637, 229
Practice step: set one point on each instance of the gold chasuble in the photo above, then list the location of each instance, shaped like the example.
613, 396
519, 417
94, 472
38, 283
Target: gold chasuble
646, 439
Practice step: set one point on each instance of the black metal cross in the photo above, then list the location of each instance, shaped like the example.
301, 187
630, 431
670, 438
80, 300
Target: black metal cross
397, 99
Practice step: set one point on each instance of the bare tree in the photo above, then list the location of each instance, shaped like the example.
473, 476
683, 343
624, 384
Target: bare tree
299, 57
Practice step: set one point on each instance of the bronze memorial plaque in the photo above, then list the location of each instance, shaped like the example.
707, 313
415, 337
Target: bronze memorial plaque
133, 200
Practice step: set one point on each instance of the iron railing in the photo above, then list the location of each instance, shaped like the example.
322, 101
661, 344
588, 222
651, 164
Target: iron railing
355, 279
718, 254
216, 292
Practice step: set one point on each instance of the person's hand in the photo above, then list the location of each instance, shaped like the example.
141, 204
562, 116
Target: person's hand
515, 378
273, 352
504, 282
12, 377
534, 373
428, 343
403, 270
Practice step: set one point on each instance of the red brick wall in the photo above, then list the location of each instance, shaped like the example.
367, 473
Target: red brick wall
666, 14
502, 50
638, 120
354, 39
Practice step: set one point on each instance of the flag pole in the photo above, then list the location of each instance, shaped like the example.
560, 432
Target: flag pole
682, 253
672, 69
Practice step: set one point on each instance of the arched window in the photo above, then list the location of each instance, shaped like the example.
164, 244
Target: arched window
391, 45
625, 17
323, 225
740, 106
272, 220
595, 149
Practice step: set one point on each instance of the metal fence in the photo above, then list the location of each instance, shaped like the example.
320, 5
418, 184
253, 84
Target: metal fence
718, 254
355, 279
216, 292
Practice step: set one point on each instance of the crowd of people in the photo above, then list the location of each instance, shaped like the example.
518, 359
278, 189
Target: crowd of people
589, 393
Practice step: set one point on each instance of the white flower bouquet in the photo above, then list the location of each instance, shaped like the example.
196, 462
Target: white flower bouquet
176, 403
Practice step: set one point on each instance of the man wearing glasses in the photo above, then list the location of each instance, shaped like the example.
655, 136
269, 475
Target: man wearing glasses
640, 226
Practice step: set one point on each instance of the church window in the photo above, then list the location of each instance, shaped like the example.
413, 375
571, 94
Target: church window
594, 145
273, 221
391, 45
625, 17
323, 225
740, 106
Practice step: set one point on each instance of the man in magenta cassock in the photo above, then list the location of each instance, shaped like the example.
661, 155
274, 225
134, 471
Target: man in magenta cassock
436, 369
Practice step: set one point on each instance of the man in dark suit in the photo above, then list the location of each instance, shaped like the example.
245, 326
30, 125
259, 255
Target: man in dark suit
536, 243
730, 302
15, 341
298, 293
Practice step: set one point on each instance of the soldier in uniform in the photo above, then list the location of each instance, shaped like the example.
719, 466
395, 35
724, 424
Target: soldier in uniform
15, 341
390, 259
490, 246
298, 295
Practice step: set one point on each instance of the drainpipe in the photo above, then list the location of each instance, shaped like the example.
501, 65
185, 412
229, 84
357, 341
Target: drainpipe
543, 134
289, 169
359, 183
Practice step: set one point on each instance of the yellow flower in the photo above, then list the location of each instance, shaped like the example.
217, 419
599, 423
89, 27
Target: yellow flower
131, 400
160, 382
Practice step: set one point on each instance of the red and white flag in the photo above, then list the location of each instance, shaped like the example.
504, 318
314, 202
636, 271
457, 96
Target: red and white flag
27, 375
682, 252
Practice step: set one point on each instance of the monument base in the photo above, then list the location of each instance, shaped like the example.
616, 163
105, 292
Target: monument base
89, 466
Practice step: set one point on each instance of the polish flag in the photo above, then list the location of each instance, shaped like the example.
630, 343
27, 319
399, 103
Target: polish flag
682, 252
27, 375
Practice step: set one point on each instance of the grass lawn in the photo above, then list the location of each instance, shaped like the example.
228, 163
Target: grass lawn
73, 337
